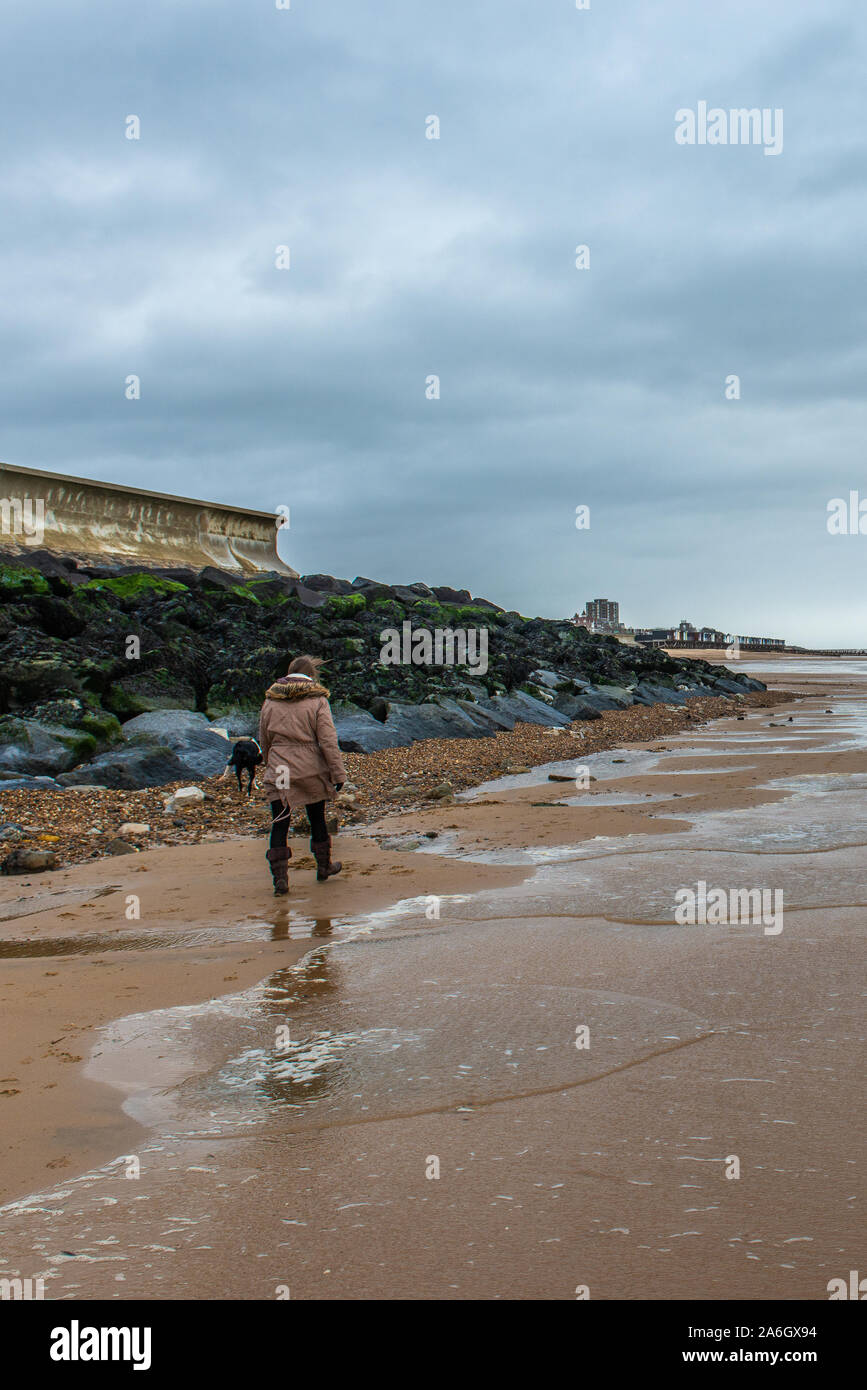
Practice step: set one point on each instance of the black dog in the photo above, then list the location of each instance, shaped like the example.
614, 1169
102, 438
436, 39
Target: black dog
246, 755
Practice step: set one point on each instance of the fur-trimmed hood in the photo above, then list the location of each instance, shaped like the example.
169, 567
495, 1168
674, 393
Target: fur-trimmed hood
295, 688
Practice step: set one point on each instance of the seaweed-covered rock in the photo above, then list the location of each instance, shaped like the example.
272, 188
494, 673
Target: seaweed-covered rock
28, 747
85, 646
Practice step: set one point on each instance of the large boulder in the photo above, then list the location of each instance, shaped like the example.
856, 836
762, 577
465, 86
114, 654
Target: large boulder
415, 722
737, 685
137, 765
522, 708
538, 711
487, 715
576, 706
200, 751
237, 724
10, 784
177, 576
271, 584
405, 595
310, 598
456, 596
371, 588
550, 679
31, 748
56, 572
166, 725
609, 696
45, 561
39, 677
652, 693
213, 578
484, 721
326, 584
692, 687
359, 732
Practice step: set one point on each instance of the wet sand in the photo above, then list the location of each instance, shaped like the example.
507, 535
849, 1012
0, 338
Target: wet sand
208, 924
392, 1104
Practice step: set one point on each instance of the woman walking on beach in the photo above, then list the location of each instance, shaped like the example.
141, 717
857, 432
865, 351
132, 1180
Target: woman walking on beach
303, 766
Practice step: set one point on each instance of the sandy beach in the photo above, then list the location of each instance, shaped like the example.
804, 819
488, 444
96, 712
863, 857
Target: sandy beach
484, 1062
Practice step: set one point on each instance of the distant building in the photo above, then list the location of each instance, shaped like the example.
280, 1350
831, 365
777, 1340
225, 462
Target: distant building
685, 635
600, 615
605, 613
700, 636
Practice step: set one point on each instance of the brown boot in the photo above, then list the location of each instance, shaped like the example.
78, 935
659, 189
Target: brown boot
279, 861
322, 854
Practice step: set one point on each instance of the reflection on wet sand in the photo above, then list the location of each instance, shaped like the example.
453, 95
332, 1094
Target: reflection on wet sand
294, 926
286, 924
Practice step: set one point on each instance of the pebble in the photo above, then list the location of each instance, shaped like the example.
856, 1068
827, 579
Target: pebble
440, 793
184, 797
29, 861
118, 846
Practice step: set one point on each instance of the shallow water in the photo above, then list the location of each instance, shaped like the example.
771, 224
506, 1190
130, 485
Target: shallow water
403, 1014
318, 1044
295, 926
360, 1045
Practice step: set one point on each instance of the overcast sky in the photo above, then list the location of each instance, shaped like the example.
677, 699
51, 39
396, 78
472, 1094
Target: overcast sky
411, 257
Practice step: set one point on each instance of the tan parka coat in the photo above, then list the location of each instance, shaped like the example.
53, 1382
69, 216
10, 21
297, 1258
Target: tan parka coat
299, 743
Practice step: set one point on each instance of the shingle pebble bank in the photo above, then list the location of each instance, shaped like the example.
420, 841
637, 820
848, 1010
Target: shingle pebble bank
74, 825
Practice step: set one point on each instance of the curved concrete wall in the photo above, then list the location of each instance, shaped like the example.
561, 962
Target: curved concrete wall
105, 522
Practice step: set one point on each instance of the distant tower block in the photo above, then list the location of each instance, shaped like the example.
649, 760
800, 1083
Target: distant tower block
604, 614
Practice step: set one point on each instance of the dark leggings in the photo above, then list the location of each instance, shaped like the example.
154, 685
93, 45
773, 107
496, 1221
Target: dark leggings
280, 823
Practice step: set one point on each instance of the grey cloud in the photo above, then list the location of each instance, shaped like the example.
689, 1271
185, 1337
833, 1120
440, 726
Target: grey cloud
454, 257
